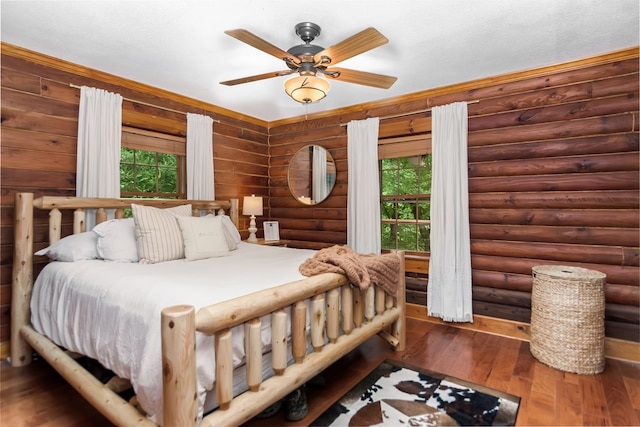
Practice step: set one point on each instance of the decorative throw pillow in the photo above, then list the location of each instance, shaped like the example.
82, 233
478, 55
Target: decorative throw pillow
117, 240
204, 237
75, 247
158, 236
231, 233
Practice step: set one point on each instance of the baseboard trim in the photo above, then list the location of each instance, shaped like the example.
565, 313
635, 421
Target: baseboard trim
627, 351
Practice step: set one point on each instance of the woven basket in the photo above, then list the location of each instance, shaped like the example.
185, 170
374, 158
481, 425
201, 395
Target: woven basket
567, 318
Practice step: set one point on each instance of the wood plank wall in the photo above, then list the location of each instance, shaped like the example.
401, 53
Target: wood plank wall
39, 131
553, 179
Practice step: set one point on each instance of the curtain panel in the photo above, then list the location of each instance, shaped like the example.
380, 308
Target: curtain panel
200, 185
99, 142
363, 190
449, 287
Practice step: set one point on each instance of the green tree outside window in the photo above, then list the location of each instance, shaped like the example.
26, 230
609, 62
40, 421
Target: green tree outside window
405, 203
148, 174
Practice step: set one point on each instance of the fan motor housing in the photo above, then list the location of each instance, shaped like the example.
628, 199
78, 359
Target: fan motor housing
307, 31
305, 50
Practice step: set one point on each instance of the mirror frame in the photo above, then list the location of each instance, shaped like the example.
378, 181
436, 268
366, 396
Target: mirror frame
307, 197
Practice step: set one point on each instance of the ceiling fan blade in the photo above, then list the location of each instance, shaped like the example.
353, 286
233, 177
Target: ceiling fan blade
361, 77
259, 43
363, 41
257, 77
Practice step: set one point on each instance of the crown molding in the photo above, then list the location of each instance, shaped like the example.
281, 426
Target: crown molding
620, 55
62, 65
82, 71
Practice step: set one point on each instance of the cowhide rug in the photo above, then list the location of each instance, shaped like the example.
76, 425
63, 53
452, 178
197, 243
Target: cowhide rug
395, 395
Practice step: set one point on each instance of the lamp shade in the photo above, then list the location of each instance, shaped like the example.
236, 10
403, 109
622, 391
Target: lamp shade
252, 205
307, 89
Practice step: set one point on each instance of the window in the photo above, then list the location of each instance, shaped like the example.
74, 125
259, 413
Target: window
405, 202
152, 165
148, 174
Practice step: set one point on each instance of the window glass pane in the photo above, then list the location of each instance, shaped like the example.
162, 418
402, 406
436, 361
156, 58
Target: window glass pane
424, 241
408, 180
388, 210
145, 157
389, 182
166, 180
165, 159
127, 174
388, 239
424, 210
406, 210
146, 179
389, 164
407, 237
126, 155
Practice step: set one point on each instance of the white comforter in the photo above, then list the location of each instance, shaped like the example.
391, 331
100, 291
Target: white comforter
111, 311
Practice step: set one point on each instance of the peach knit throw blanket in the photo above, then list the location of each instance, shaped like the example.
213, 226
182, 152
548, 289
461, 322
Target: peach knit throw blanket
362, 270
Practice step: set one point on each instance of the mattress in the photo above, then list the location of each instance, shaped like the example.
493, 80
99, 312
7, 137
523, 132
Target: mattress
111, 311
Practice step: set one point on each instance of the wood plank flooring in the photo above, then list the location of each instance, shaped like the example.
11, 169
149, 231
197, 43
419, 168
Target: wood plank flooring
37, 396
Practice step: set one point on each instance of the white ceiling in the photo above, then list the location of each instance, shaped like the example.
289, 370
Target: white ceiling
180, 46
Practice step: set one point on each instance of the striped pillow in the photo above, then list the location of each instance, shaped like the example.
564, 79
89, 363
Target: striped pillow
158, 236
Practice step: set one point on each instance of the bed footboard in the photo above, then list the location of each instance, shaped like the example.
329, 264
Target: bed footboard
341, 318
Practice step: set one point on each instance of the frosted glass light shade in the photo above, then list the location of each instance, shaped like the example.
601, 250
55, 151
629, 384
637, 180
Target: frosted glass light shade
307, 89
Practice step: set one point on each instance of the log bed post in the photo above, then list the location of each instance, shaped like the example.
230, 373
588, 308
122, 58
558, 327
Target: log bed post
21, 352
399, 328
233, 211
55, 225
179, 388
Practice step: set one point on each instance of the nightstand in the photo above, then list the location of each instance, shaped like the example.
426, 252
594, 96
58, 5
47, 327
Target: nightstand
261, 241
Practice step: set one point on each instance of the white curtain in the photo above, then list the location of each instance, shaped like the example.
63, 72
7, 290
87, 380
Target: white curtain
200, 185
449, 288
363, 191
99, 142
319, 169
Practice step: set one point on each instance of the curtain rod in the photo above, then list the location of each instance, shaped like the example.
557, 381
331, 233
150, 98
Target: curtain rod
146, 103
426, 110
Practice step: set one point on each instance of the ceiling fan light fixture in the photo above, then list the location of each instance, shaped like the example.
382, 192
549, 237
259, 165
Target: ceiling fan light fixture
307, 89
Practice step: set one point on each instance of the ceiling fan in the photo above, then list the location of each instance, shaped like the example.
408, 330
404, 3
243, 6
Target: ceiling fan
310, 60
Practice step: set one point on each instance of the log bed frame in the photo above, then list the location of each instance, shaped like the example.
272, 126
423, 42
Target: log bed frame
341, 319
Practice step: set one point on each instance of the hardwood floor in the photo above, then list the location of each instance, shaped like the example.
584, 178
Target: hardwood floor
37, 396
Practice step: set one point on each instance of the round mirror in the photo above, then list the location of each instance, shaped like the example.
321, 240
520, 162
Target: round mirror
312, 174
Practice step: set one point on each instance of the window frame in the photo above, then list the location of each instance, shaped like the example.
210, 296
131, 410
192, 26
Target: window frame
157, 142
404, 147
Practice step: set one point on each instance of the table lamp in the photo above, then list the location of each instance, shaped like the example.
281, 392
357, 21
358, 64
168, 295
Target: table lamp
252, 205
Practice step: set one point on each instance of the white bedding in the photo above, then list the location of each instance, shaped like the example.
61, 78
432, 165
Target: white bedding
111, 311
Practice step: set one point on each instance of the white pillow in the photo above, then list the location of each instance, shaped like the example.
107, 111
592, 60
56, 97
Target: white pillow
231, 233
158, 236
204, 237
117, 240
75, 247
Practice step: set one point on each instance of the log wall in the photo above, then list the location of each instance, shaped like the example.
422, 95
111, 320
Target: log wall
553, 179
553, 173
39, 132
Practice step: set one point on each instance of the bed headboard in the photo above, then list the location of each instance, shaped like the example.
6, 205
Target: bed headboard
80, 205
25, 204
